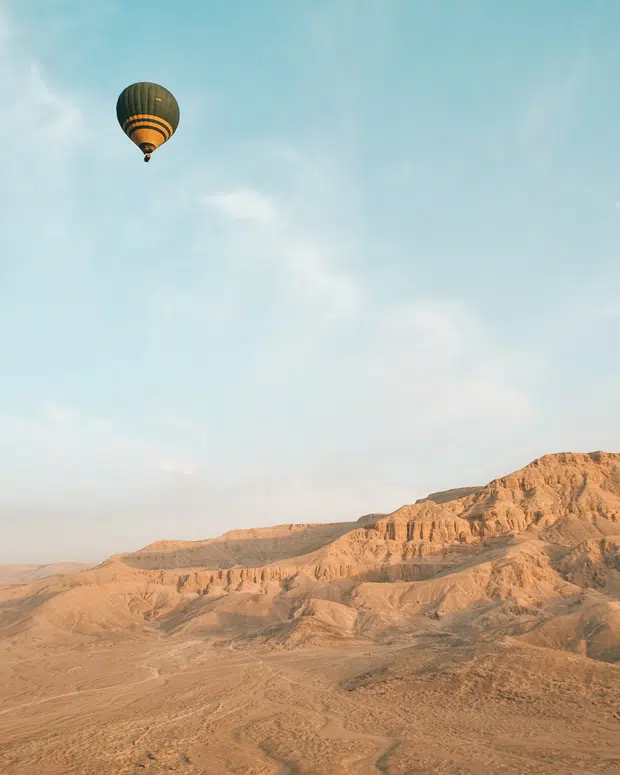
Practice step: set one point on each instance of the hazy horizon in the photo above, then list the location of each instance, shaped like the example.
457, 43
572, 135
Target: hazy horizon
379, 258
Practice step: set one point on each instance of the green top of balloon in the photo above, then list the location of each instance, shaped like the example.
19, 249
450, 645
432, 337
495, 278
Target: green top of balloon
148, 99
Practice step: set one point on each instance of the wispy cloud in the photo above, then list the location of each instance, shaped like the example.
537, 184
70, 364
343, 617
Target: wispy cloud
60, 415
401, 379
244, 204
6, 32
552, 106
431, 365
312, 275
308, 260
49, 122
61, 454
37, 149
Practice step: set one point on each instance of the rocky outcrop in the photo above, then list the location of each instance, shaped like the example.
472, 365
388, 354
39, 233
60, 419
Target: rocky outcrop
233, 579
509, 558
590, 563
549, 489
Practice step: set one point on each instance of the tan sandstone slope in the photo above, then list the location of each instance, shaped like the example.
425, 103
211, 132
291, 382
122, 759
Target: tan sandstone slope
533, 555
21, 574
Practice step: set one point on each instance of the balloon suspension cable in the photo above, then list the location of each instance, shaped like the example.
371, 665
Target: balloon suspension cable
147, 156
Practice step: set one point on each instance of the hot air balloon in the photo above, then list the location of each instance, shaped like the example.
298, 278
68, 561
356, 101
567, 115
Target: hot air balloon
148, 114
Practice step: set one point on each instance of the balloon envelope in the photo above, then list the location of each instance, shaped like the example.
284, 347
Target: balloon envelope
148, 114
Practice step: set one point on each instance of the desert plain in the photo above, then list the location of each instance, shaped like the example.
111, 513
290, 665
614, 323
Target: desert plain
474, 631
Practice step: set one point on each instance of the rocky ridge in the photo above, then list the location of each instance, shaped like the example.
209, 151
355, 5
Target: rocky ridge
533, 554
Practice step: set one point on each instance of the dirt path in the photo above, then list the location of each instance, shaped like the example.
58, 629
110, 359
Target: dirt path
367, 764
334, 728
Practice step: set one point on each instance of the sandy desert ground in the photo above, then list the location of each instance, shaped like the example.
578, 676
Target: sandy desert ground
472, 632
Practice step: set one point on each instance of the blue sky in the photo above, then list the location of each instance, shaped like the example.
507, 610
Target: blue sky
379, 258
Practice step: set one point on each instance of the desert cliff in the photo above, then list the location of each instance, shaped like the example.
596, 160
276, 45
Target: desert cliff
440, 638
509, 557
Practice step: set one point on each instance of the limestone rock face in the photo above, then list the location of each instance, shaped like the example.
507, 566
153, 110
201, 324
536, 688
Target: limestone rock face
237, 548
533, 554
592, 564
549, 489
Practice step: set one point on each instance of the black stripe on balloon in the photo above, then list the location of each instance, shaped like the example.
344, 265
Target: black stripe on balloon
128, 126
148, 126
